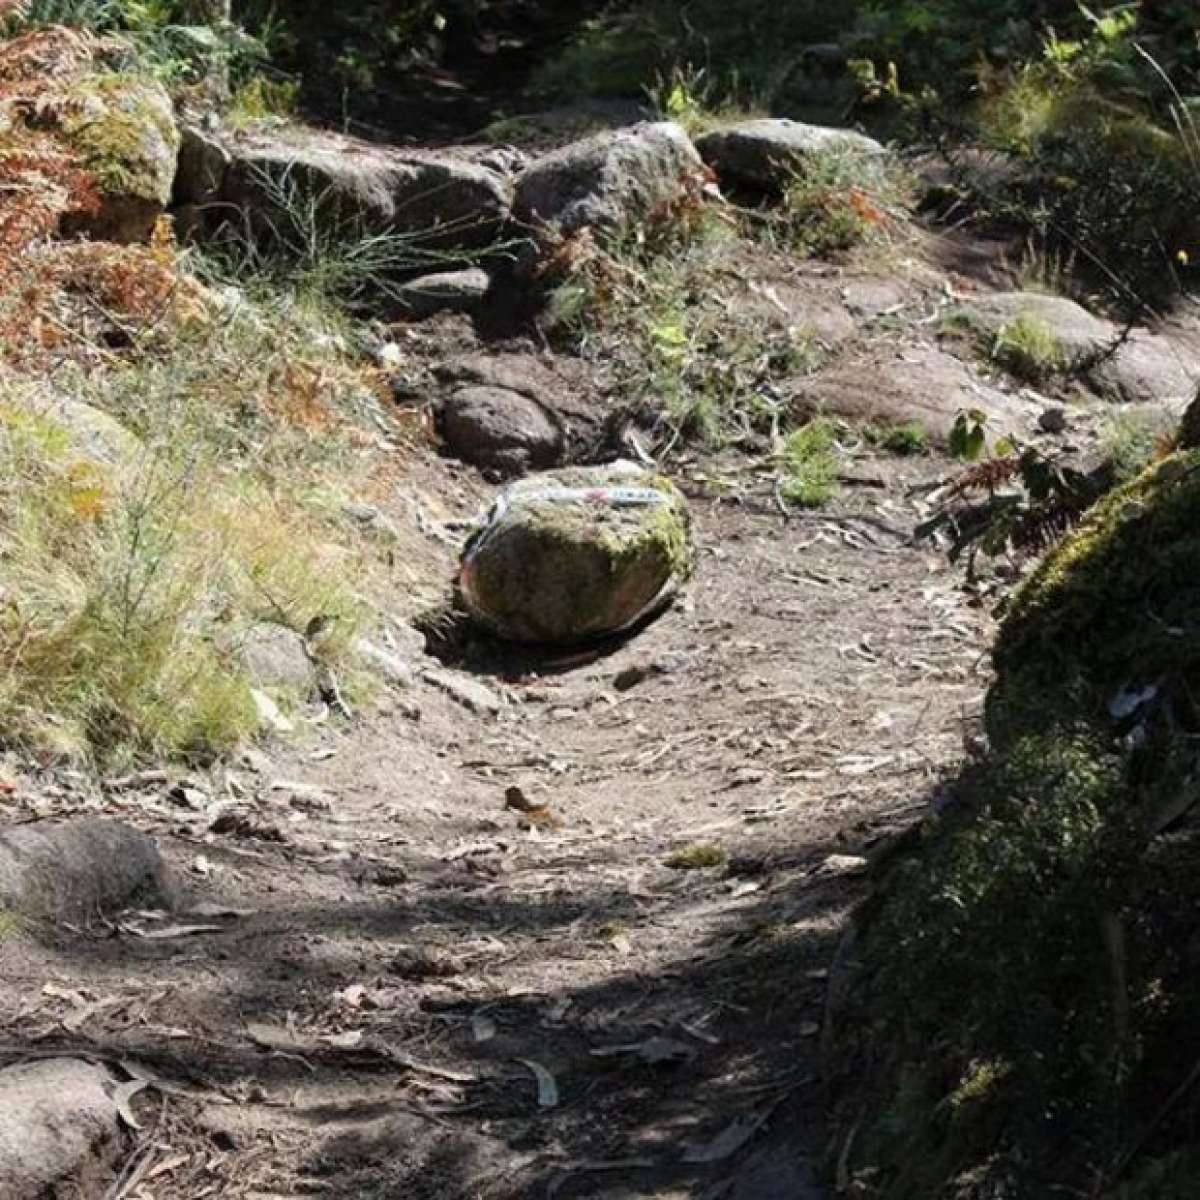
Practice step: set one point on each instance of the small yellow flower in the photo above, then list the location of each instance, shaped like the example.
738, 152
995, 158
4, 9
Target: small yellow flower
1183, 258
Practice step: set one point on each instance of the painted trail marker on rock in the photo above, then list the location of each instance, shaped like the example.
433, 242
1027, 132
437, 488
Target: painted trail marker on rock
577, 554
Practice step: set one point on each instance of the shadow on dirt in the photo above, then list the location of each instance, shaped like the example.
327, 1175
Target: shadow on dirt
722, 1105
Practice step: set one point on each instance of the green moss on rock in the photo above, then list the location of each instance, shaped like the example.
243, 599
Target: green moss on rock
1114, 609
547, 569
123, 128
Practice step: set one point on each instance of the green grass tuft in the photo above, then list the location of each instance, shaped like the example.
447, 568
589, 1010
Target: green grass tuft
698, 857
809, 464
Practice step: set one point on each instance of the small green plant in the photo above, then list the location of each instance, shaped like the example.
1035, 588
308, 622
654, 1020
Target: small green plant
910, 438
698, 857
968, 437
808, 464
682, 95
11, 925
1028, 347
1130, 443
260, 97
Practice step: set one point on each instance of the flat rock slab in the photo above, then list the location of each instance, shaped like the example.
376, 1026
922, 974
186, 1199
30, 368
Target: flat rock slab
1145, 368
78, 869
440, 199
768, 153
59, 1130
925, 384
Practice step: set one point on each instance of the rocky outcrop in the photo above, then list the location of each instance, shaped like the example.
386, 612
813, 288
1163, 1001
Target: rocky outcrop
440, 200
607, 181
1138, 367
578, 553
766, 154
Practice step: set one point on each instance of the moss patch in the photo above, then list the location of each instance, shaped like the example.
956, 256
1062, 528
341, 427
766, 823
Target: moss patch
1115, 608
123, 129
554, 570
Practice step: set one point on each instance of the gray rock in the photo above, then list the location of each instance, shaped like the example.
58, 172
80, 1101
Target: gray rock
200, 172
608, 180
390, 665
59, 1130
276, 657
1145, 368
578, 553
767, 153
74, 870
440, 199
447, 291
505, 430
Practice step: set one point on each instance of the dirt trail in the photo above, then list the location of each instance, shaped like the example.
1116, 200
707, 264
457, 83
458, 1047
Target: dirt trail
407, 948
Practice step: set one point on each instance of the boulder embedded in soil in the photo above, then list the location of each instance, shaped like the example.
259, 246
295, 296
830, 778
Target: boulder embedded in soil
59, 1130
79, 869
276, 657
88, 431
446, 291
438, 199
607, 181
1140, 368
501, 429
576, 554
769, 152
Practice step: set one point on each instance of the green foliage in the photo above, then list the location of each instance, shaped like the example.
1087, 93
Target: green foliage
808, 463
968, 437
842, 198
698, 857
655, 305
988, 981
905, 440
125, 580
1028, 347
1131, 441
173, 39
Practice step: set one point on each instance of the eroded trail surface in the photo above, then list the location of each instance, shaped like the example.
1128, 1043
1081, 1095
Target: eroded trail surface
404, 985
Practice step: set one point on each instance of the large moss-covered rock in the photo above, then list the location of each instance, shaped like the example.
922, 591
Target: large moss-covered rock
123, 129
1110, 615
577, 553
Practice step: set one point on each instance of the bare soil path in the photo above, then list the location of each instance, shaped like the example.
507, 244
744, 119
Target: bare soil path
426, 992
